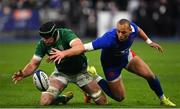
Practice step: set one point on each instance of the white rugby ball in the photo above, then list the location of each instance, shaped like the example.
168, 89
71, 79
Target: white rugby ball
40, 80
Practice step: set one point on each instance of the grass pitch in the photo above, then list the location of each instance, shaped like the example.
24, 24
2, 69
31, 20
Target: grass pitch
14, 56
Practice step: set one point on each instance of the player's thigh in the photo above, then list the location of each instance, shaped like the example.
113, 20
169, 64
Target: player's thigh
117, 88
139, 67
57, 83
87, 83
91, 87
114, 80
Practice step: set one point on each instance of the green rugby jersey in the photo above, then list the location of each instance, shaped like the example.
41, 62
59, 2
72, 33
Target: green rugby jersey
69, 65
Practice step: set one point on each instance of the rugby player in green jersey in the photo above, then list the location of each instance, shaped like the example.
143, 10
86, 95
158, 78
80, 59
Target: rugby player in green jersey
71, 69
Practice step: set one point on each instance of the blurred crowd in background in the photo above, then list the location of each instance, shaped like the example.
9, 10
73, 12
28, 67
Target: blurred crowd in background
20, 19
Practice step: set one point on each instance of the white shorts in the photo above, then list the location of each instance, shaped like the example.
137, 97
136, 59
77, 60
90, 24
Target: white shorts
81, 79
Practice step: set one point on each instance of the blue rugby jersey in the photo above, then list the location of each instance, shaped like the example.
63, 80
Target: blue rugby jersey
109, 41
111, 47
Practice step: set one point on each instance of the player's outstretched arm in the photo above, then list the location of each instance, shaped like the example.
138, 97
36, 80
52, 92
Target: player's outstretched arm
28, 70
143, 35
76, 49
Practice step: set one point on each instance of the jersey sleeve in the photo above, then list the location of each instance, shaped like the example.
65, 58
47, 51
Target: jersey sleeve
68, 36
104, 41
40, 51
135, 28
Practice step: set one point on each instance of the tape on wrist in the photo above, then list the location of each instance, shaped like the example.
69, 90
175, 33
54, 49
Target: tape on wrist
148, 41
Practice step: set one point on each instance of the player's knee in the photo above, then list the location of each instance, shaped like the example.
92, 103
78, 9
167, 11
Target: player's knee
46, 99
45, 102
120, 98
99, 98
150, 77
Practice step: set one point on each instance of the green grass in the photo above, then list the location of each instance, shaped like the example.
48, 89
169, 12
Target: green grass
14, 56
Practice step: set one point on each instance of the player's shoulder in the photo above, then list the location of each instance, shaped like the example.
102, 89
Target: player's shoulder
111, 32
134, 27
133, 23
64, 30
40, 43
65, 33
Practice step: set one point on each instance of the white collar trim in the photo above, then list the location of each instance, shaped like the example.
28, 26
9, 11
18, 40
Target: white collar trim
133, 30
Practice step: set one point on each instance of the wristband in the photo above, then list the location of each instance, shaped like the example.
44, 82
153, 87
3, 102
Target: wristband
148, 41
88, 46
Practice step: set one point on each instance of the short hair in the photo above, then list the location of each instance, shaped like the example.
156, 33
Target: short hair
47, 30
124, 21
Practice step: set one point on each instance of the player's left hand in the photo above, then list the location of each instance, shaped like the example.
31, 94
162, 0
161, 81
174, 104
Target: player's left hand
157, 46
17, 76
56, 55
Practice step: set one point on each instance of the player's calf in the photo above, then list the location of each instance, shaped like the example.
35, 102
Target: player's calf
117, 89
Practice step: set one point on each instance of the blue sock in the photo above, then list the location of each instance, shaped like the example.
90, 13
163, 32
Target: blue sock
156, 86
104, 86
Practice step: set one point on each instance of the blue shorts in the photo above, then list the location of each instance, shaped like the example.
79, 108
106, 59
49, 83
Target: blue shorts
112, 66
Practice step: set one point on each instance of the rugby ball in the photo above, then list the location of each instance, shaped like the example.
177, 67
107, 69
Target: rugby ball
40, 80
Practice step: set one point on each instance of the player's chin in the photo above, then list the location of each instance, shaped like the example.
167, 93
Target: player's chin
47, 44
122, 40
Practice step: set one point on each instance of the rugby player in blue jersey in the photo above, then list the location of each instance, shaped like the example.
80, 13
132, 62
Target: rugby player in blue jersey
116, 54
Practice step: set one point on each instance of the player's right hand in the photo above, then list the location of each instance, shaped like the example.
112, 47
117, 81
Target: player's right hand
156, 46
56, 55
17, 76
